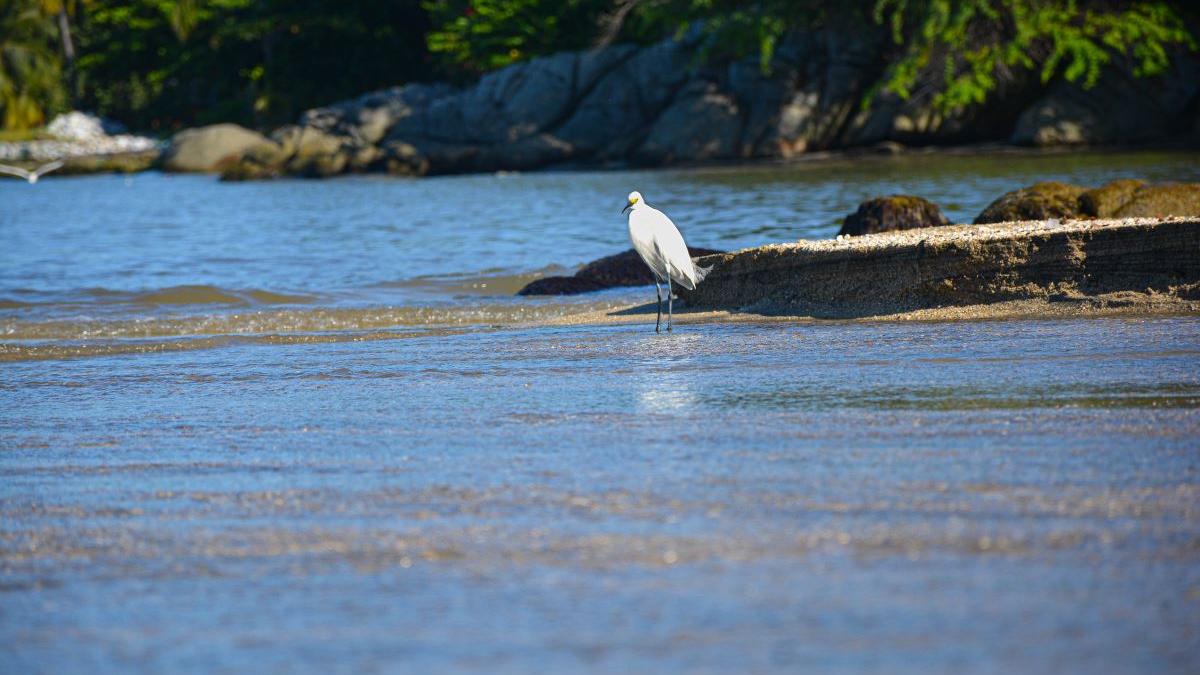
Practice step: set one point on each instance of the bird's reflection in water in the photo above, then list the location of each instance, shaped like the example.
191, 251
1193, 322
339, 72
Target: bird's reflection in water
668, 383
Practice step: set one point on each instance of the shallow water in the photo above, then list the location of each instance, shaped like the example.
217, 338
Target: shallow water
158, 256
284, 427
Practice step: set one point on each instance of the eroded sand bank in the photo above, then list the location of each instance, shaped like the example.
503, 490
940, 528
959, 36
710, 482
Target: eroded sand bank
1005, 270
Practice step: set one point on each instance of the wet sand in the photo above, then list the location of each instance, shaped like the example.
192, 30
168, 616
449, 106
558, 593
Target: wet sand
1125, 304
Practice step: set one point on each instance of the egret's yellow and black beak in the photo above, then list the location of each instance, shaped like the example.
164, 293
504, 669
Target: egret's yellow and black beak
627, 207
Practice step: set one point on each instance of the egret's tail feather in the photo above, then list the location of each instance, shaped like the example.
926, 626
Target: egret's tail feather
701, 272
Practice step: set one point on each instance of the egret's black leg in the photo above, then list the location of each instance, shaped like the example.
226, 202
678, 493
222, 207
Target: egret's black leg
670, 311
658, 292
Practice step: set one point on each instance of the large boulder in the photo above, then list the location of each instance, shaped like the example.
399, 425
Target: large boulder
1040, 201
205, 149
622, 269
888, 214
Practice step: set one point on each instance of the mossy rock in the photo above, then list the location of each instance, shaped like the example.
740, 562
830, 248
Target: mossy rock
1170, 199
1106, 200
888, 214
1040, 201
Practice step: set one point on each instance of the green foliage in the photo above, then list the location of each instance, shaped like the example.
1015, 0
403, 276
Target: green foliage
977, 41
476, 36
162, 64
30, 70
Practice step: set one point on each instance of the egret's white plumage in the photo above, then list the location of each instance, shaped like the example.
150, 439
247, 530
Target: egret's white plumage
31, 176
661, 247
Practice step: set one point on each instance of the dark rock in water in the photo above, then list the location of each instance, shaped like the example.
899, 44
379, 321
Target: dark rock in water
561, 286
1106, 200
1170, 199
888, 214
623, 269
1040, 201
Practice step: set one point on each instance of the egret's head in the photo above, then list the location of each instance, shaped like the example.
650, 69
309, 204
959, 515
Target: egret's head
635, 198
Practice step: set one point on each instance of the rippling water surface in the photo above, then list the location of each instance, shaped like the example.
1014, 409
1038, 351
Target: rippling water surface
304, 426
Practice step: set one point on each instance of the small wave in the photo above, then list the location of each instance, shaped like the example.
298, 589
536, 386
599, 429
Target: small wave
53, 339
53, 351
169, 296
212, 295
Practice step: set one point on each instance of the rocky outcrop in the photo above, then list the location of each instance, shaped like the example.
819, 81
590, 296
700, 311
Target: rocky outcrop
613, 106
657, 105
957, 266
204, 149
622, 269
1121, 108
890, 214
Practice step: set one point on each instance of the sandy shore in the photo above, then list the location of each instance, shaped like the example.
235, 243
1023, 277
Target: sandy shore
1136, 266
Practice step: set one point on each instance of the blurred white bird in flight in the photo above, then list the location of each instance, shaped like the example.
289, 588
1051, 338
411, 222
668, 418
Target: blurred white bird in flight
30, 176
661, 246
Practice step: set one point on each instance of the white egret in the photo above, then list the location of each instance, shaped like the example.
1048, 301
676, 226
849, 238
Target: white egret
31, 176
661, 246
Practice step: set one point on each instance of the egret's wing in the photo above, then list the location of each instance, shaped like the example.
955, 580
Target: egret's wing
674, 251
14, 171
641, 235
47, 168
